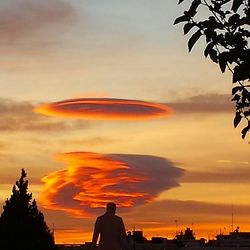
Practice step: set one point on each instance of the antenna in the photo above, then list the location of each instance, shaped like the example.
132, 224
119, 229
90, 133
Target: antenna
176, 224
232, 217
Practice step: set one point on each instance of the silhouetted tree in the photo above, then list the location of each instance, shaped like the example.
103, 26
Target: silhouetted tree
226, 32
22, 225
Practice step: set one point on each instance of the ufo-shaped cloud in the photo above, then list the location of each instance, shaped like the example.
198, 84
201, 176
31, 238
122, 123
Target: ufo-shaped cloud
90, 180
104, 109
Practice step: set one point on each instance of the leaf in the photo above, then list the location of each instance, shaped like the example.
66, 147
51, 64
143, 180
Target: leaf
192, 11
213, 56
246, 113
194, 38
180, 1
245, 131
236, 98
237, 4
245, 33
245, 97
237, 118
223, 59
208, 49
187, 27
234, 19
184, 18
241, 72
211, 52
236, 89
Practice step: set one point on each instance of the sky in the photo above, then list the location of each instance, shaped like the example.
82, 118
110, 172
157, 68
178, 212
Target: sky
101, 101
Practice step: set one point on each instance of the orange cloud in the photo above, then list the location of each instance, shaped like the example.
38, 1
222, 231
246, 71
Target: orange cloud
104, 109
91, 180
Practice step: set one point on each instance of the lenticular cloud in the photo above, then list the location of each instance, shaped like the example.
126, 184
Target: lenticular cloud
90, 180
104, 109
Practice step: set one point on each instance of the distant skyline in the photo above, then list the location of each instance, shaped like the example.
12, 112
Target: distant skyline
187, 164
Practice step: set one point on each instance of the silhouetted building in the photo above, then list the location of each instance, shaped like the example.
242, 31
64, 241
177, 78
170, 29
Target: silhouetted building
183, 241
234, 239
138, 237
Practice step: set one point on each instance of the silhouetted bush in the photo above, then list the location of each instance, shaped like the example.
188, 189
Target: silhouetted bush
22, 225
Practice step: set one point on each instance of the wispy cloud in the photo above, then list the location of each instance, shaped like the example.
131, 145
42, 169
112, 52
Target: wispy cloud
234, 162
89, 141
91, 180
187, 210
206, 103
104, 109
21, 19
19, 116
220, 175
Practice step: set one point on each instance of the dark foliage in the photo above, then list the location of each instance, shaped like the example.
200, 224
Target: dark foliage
22, 225
226, 32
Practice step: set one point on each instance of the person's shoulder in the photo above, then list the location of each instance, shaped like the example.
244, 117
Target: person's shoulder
118, 218
100, 217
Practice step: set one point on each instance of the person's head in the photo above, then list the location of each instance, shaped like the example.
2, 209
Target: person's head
111, 207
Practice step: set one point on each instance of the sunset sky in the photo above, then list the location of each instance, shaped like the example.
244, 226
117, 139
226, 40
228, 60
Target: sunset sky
101, 101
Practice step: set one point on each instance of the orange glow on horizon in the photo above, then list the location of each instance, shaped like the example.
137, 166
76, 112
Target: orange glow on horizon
104, 109
72, 236
201, 230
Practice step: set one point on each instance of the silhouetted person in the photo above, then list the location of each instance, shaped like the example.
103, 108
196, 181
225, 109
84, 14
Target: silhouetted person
111, 229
